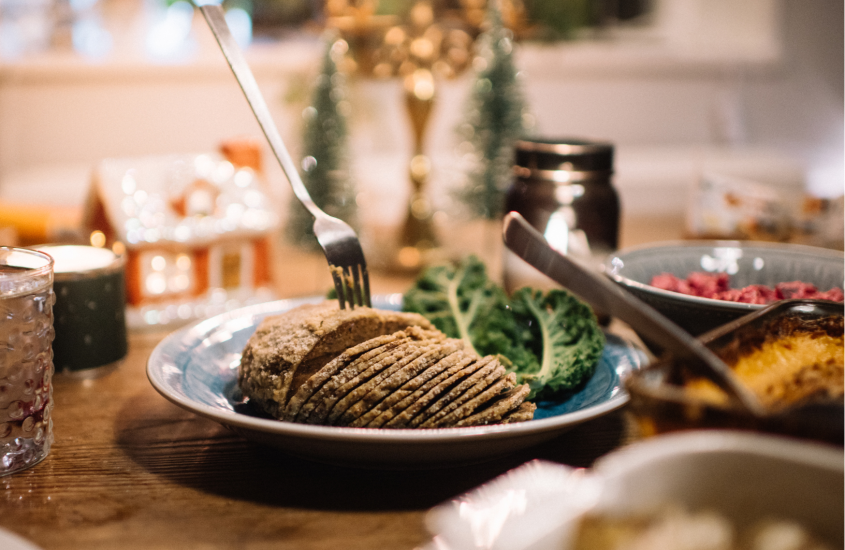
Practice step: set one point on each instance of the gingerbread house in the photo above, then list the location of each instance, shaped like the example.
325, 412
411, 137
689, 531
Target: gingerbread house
196, 229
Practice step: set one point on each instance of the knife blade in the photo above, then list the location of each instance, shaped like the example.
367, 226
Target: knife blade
604, 295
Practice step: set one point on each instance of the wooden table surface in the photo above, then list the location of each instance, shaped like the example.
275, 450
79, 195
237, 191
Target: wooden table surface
130, 470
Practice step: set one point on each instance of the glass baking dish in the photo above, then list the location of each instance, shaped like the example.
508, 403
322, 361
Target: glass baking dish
661, 400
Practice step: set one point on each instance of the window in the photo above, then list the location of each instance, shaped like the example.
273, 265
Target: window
165, 273
231, 265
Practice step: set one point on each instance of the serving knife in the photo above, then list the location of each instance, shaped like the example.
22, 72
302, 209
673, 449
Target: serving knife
604, 295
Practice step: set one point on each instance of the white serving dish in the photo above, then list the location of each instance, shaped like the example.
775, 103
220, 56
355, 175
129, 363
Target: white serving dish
744, 476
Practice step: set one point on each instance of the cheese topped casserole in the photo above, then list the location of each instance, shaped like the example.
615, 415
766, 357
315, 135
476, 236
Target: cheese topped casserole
794, 360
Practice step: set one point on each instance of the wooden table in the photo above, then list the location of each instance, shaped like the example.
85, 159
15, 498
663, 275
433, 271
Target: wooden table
130, 470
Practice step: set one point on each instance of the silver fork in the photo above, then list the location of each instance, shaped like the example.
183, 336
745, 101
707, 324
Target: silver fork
338, 240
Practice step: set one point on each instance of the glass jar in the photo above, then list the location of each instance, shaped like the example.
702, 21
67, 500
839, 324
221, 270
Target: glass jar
563, 187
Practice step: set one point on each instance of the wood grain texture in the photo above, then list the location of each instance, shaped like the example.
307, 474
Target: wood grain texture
130, 470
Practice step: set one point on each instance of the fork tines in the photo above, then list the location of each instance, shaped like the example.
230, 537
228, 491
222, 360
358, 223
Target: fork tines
346, 259
352, 284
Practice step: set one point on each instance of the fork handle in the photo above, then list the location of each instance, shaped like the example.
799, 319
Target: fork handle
216, 20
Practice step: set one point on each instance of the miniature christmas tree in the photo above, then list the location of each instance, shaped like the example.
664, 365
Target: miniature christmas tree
496, 118
324, 167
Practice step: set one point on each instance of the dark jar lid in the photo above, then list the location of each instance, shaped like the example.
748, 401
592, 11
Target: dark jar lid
575, 155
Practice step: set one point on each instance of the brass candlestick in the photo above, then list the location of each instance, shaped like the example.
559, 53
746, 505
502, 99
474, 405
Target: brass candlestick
418, 235
430, 43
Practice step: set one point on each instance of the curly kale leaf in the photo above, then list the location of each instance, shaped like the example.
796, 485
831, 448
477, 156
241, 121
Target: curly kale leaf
462, 302
563, 333
552, 341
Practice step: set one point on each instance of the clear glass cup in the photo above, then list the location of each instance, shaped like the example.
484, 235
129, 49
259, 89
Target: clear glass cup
26, 358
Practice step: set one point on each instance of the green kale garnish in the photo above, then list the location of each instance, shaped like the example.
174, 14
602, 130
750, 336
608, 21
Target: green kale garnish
563, 332
551, 341
462, 302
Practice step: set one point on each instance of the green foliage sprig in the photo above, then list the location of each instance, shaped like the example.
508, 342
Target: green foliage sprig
496, 118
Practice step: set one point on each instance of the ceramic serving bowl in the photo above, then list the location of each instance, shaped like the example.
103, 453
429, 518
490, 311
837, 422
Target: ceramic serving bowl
660, 403
745, 478
746, 263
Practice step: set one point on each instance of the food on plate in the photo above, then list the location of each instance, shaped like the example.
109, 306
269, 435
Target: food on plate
551, 341
677, 528
286, 350
717, 287
364, 367
791, 360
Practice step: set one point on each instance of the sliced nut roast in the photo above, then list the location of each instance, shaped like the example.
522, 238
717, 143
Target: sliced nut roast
287, 349
412, 393
370, 368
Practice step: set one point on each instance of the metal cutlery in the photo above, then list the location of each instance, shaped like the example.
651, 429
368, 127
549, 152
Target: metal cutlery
597, 290
338, 240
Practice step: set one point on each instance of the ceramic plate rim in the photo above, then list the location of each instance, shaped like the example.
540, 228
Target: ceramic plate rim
155, 366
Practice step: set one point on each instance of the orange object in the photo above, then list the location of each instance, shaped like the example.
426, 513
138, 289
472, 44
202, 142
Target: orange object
39, 224
243, 152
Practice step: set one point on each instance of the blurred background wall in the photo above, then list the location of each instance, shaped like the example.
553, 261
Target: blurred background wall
752, 89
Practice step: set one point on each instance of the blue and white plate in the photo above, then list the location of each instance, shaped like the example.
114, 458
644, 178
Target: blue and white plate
196, 368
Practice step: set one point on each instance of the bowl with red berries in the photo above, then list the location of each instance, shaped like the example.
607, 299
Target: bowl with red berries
701, 285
